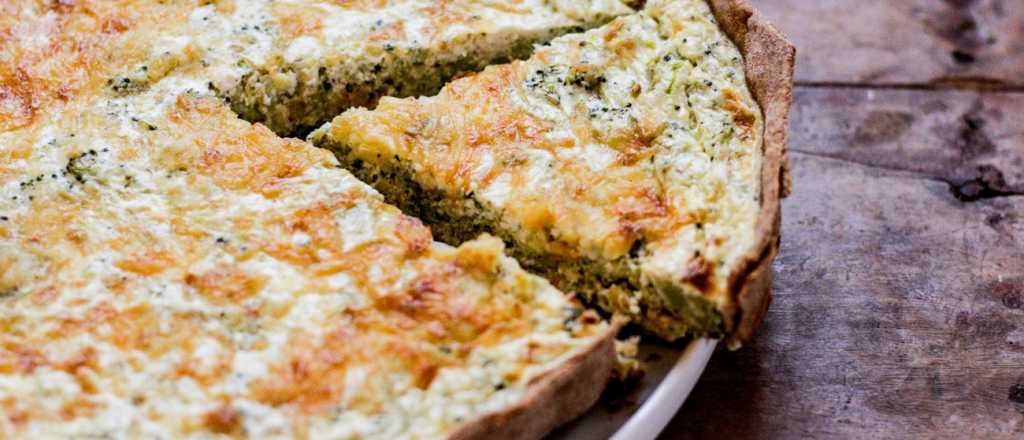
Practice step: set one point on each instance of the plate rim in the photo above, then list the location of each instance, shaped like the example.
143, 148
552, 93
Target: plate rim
659, 408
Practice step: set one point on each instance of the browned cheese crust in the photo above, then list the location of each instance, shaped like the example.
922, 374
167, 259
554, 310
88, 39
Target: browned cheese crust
769, 59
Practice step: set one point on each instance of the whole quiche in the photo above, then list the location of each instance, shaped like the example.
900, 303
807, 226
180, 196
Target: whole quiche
171, 267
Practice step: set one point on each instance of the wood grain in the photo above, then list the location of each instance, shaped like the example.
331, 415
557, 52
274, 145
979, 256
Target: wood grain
972, 140
911, 42
898, 313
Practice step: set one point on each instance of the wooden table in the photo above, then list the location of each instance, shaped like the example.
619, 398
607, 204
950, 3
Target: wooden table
899, 290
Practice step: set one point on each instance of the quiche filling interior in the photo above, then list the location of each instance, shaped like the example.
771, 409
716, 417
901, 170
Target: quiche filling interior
622, 163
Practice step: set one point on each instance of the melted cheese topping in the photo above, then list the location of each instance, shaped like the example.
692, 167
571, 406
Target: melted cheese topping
637, 140
279, 61
58, 53
168, 270
60, 50
362, 27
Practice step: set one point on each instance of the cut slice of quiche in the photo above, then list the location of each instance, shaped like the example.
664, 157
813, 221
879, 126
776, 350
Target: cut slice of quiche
640, 164
170, 271
294, 64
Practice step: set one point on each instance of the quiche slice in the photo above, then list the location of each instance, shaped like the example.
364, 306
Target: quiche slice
168, 270
640, 164
294, 64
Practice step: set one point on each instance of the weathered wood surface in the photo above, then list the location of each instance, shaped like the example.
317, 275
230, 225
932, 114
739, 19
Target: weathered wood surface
914, 42
898, 312
972, 140
899, 290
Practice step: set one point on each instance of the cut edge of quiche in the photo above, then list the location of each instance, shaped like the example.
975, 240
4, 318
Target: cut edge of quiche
314, 77
435, 175
294, 97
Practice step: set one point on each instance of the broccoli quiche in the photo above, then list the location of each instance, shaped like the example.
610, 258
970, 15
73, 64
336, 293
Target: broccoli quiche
638, 164
294, 64
168, 270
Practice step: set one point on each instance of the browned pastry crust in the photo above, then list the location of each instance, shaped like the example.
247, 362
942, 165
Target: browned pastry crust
553, 398
768, 58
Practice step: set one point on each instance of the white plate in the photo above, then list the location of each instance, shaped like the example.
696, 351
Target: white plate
671, 373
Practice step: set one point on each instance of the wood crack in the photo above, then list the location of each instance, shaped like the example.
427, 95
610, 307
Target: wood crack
939, 85
987, 186
905, 172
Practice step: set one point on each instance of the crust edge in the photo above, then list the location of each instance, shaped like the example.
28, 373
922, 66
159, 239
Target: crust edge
769, 63
553, 398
